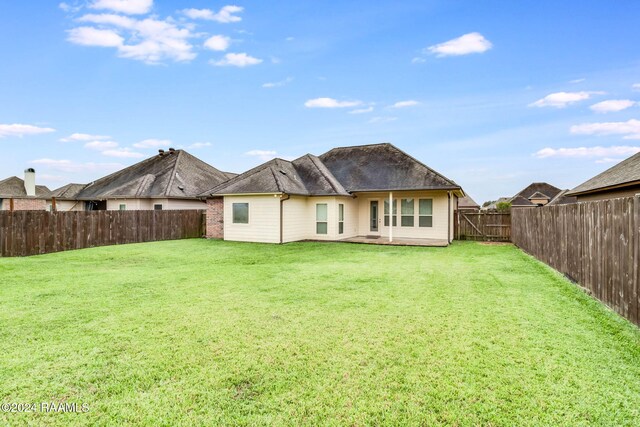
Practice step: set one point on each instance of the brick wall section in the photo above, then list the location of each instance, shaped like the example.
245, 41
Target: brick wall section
26, 204
215, 218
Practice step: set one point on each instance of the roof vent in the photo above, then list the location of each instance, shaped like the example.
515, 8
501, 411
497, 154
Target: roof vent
181, 187
160, 153
172, 150
283, 172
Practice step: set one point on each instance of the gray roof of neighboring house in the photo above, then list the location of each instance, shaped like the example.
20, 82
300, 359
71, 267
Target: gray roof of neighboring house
69, 191
305, 176
539, 195
382, 167
562, 199
14, 187
177, 175
534, 190
467, 202
623, 174
341, 171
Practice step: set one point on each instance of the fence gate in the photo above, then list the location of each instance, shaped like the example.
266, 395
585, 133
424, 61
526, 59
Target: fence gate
483, 226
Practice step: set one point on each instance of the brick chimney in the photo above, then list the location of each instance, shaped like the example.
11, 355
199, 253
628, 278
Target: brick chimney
30, 181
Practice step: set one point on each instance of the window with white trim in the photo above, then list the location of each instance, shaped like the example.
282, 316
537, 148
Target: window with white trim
321, 218
123, 207
406, 213
425, 213
157, 207
394, 214
340, 218
240, 213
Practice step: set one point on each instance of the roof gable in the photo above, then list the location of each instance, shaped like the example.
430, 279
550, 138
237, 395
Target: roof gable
626, 172
536, 187
170, 175
382, 167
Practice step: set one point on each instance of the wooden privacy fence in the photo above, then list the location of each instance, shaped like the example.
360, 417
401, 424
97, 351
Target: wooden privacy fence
596, 244
24, 233
484, 226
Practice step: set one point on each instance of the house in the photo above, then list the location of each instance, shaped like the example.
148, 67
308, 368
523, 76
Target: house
171, 179
467, 204
621, 180
562, 198
534, 195
23, 194
377, 191
493, 206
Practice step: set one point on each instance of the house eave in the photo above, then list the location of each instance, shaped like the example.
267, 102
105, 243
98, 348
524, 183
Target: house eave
604, 189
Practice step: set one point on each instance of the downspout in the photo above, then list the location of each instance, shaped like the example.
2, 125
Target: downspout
283, 198
449, 216
391, 217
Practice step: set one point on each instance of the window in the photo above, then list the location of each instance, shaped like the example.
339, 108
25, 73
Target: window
340, 218
123, 207
425, 213
240, 213
406, 213
321, 218
394, 215
157, 207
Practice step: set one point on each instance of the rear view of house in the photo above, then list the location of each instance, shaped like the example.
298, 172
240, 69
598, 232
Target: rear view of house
374, 191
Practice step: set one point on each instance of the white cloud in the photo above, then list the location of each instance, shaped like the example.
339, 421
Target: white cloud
129, 7
418, 60
150, 40
89, 36
382, 119
630, 129
153, 143
463, 45
263, 155
83, 137
101, 145
21, 130
577, 81
609, 160
199, 145
278, 84
562, 99
123, 153
587, 152
612, 105
404, 104
236, 60
218, 43
290, 39
330, 103
226, 15
361, 110
635, 86
69, 166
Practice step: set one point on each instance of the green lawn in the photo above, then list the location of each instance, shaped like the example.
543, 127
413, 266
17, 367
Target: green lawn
200, 332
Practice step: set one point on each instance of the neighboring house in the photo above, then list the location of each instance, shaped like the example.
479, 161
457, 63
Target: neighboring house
621, 180
493, 206
23, 194
534, 195
65, 198
372, 190
467, 204
169, 180
562, 198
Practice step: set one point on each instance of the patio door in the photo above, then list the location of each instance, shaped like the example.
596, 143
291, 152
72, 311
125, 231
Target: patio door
373, 216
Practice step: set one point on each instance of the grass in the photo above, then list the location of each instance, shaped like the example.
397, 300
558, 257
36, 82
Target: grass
200, 332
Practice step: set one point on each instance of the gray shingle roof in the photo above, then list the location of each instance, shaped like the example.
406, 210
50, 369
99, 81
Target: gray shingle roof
539, 195
624, 173
14, 187
305, 176
562, 199
382, 167
544, 189
69, 191
338, 172
467, 202
178, 175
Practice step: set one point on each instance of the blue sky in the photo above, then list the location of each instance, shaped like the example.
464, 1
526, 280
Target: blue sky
493, 95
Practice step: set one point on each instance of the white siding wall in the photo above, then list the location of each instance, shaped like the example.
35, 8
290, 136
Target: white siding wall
350, 218
147, 204
296, 216
440, 214
68, 205
264, 219
175, 204
132, 204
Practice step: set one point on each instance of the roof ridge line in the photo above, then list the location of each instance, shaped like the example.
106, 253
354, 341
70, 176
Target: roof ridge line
173, 174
